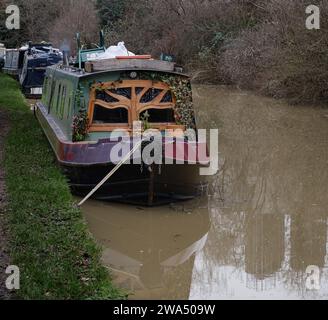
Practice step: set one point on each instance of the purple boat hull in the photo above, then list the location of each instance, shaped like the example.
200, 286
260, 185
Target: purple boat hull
86, 164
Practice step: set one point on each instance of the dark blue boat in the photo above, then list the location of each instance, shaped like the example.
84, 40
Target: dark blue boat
37, 58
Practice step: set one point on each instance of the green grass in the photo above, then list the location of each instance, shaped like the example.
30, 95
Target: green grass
49, 239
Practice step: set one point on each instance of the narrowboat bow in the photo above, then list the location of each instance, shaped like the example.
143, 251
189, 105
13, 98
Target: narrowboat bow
82, 114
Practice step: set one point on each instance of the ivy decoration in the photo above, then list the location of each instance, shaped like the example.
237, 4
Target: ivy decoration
181, 88
100, 86
184, 108
79, 98
145, 121
81, 120
80, 126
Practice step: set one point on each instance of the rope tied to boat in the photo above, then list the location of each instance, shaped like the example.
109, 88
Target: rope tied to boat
118, 166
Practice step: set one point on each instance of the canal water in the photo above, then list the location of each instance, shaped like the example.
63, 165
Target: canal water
256, 234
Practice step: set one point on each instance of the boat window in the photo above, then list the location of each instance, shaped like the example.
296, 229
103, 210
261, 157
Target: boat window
124, 92
62, 102
168, 97
69, 107
50, 97
103, 115
139, 90
159, 115
150, 95
64, 92
58, 98
104, 96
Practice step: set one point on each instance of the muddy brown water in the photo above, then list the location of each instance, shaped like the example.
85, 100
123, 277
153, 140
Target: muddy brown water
255, 237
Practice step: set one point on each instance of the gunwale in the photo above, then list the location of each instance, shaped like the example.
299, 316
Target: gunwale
81, 74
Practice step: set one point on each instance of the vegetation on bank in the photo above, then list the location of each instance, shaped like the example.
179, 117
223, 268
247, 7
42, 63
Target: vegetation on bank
260, 45
49, 241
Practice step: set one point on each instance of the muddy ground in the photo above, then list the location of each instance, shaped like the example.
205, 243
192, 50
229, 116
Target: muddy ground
4, 255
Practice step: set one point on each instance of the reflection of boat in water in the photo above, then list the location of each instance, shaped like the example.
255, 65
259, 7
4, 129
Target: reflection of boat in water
151, 251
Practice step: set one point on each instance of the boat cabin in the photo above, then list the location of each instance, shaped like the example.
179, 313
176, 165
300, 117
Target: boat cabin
14, 61
115, 94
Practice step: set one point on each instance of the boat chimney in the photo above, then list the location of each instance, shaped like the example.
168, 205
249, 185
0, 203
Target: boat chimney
65, 49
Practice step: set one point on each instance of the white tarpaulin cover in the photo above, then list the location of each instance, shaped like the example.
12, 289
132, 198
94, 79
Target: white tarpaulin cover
114, 51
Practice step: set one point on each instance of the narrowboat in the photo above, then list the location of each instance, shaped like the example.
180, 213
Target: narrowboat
14, 61
36, 59
86, 110
28, 65
2, 55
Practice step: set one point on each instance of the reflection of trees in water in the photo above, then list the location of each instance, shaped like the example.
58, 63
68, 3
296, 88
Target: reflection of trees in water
224, 245
309, 238
269, 170
178, 281
264, 237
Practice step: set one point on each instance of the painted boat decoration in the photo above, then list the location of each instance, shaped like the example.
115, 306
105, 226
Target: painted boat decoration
84, 111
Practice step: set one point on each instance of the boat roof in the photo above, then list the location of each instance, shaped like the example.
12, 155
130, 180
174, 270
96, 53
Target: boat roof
116, 65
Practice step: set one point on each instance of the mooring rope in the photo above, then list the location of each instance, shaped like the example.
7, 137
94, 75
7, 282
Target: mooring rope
102, 182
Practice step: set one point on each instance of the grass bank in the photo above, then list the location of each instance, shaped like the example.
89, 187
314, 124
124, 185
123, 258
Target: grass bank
49, 240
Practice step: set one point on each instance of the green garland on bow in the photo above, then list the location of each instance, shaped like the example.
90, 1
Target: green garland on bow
184, 108
81, 120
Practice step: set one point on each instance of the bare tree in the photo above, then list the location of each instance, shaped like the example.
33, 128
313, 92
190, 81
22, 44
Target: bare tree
76, 16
